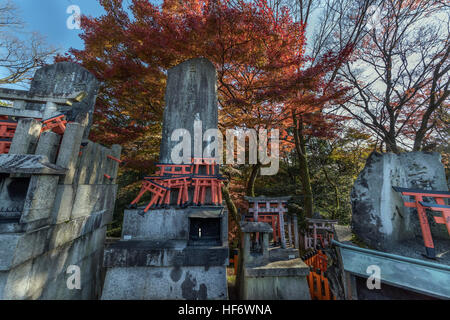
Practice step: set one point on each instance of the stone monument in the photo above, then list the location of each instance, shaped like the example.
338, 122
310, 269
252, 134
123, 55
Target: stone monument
379, 217
57, 190
174, 252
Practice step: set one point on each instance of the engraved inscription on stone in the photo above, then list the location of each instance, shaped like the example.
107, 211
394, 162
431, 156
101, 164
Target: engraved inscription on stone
191, 95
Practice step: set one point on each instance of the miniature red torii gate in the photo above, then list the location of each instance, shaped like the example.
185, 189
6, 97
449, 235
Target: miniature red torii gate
9, 116
312, 236
271, 210
182, 176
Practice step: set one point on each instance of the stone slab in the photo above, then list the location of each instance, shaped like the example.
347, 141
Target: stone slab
163, 253
276, 288
29, 164
163, 224
286, 268
256, 227
191, 94
179, 283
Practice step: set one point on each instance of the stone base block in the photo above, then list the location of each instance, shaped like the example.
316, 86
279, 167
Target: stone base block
276, 288
163, 283
280, 280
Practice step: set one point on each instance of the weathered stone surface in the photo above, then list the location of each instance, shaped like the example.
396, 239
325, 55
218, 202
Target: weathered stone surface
256, 227
274, 273
292, 287
48, 222
181, 283
13, 112
69, 151
163, 224
343, 233
28, 246
191, 94
283, 268
65, 78
163, 254
62, 207
93, 198
114, 165
25, 137
48, 145
8, 245
21, 96
39, 200
75, 228
280, 254
17, 282
379, 217
29, 164
159, 257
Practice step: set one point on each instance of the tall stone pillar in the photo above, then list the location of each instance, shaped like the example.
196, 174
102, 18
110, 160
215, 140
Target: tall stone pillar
191, 97
175, 253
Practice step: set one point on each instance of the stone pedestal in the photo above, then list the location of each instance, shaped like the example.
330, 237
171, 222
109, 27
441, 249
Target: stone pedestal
271, 273
165, 255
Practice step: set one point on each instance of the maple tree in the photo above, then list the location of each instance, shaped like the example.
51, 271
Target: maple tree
258, 53
400, 74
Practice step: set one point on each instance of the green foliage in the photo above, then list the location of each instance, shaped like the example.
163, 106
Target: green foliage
334, 166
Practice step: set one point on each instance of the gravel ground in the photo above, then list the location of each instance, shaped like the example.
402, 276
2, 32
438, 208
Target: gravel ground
415, 248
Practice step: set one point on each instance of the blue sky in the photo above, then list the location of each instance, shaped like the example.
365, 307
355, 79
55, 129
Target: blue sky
48, 18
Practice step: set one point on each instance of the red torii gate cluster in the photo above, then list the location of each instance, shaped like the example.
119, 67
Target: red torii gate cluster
320, 231
9, 116
180, 178
8, 127
420, 205
7, 130
272, 210
319, 287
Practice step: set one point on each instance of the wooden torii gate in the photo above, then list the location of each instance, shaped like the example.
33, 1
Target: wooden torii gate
271, 210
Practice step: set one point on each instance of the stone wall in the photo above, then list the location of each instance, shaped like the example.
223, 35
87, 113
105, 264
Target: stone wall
62, 204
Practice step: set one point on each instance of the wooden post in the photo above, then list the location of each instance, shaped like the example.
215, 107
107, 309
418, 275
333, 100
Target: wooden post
295, 220
274, 227
289, 225
283, 237
315, 235
255, 212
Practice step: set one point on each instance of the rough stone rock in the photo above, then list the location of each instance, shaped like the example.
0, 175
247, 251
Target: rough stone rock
191, 94
379, 217
66, 78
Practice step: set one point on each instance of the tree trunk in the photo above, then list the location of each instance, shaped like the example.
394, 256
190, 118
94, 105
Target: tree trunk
336, 193
235, 216
231, 207
391, 144
252, 180
420, 135
300, 147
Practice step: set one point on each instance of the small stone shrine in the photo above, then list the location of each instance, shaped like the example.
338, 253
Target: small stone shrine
267, 274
